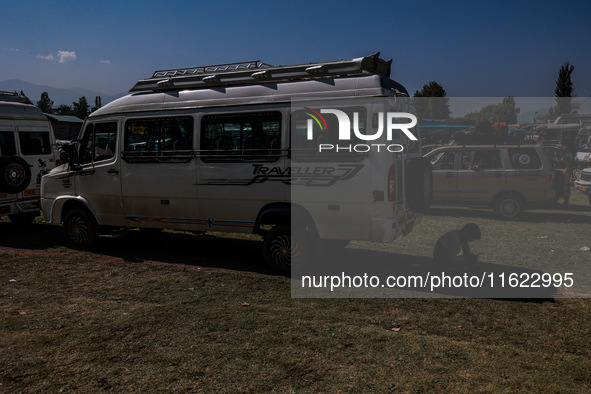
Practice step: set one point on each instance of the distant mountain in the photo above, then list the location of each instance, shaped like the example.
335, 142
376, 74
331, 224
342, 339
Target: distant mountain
58, 95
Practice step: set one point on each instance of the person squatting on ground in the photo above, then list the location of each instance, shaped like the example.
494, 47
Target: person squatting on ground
450, 244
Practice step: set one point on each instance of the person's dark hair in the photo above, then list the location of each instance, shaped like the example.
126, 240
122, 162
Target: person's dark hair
472, 230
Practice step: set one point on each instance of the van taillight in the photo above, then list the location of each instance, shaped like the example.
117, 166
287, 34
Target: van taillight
392, 184
550, 180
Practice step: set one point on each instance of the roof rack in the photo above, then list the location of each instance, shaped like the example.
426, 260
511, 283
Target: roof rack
254, 72
14, 97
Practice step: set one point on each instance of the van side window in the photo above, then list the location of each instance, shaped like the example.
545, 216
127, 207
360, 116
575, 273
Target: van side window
326, 131
524, 159
98, 143
241, 137
7, 144
35, 143
158, 139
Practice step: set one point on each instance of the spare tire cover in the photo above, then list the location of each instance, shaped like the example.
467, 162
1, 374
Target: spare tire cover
15, 174
419, 184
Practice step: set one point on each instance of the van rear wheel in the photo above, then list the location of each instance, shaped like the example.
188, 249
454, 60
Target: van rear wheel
282, 248
80, 229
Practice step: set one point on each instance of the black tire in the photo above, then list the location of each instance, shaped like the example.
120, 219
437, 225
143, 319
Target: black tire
281, 248
15, 174
419, 185
22, 219
80, 229
509, 206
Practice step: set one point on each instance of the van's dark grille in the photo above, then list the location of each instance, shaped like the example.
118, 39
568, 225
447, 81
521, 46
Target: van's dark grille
586, 177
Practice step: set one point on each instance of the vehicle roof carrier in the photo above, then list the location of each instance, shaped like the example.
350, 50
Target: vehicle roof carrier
255, 72
14, 97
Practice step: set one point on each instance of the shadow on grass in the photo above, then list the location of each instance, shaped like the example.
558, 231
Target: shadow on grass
204, 250
535, 216
217, 252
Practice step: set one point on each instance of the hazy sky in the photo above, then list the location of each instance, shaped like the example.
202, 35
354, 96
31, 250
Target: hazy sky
472, 48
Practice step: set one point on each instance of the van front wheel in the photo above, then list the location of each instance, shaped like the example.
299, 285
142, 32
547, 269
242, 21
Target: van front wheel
80, 229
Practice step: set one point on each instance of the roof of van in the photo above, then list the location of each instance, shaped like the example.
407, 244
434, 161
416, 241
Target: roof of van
65, 118
15, 110
359, 86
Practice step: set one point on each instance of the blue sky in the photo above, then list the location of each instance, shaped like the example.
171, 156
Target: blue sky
472, 48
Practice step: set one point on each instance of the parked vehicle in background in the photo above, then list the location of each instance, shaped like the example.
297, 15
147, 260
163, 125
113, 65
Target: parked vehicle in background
27, 152
583, 173
508, 178
209, 149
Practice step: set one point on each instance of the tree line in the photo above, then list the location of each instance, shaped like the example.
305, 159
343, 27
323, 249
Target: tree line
434, 104
80, 109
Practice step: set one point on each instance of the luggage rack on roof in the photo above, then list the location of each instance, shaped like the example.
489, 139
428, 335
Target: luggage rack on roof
216, 68
254, 72
14, 97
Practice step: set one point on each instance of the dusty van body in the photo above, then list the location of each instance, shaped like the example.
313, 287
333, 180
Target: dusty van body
210, 150
27, 152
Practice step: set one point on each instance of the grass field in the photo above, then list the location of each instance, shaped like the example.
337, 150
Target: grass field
191, 313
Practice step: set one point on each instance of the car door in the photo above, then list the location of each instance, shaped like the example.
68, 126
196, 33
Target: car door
444, 175
480, 175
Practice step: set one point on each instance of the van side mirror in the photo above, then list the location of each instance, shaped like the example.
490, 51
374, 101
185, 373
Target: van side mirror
71, 153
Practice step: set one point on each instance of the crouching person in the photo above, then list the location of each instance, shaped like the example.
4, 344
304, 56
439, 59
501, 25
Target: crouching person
449, 245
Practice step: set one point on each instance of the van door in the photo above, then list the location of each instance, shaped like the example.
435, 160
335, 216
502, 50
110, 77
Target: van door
159, 173
7, 149
241, 168
99, 180
36, 147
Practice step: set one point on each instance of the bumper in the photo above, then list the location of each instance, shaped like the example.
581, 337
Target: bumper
583, 187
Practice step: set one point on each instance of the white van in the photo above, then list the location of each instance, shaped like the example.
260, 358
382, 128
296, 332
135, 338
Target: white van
210, 149
27, 152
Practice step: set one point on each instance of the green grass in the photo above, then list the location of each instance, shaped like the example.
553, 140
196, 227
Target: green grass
178, 312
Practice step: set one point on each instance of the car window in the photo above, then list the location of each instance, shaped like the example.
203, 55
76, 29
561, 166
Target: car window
98, 142
7, 144
443, 161
524, 159
162, 139
481, 159
35, 143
